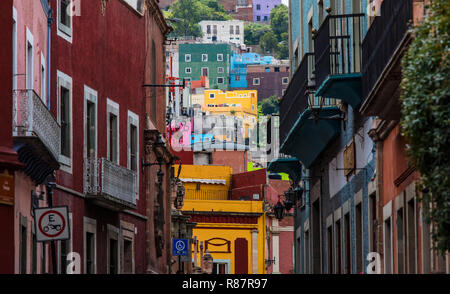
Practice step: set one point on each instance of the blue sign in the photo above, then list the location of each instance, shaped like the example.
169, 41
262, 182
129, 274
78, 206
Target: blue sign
180, 247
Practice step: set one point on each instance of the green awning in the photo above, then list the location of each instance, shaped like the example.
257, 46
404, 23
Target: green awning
346, 87
291, 166
309, 137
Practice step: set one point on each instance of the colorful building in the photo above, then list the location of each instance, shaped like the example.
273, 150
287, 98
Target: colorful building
262, 9
232, 231
269, 80
238, 67
227, 31
241, 103
208, 60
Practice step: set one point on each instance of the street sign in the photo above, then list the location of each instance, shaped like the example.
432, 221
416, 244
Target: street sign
180, 247
52, 223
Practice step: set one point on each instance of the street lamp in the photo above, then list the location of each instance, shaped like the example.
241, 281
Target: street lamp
278, 209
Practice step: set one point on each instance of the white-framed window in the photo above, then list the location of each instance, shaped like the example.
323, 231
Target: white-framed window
285, 80
64, 19
220, 80
64, 98
14, 47
219, 57
188, 70
43, 79
135, 4
30, 60
220, 70
283, 92
112, 250
204, 57
90, 245
112, 123
90, 122
133, 145
187, 57
256, 81
212, 95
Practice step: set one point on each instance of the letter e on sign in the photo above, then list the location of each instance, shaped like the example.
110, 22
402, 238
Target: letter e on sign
52, 223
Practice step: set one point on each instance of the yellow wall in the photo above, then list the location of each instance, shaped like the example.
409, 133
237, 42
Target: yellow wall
248, 109
231, 231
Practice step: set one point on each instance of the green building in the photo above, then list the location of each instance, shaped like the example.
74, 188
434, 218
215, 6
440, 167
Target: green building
211, 60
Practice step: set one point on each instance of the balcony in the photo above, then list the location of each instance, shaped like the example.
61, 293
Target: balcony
382, 50
110, 185
338, 44
295, 100
192, 194
36, 135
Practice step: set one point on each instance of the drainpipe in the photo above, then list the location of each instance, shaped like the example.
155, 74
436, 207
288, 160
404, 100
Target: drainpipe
49, 25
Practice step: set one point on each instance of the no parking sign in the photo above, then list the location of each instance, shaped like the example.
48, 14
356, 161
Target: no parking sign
51, 223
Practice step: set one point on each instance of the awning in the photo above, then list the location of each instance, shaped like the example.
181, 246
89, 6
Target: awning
346, 87
291, 166
309, 137
205, 181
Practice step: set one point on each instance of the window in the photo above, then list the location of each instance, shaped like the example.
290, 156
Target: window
204, 57
387, 246
187, 70
283, 92
90, 122
30, 62
14, 46
90, 245
126, 237
220, 70
113, 249
64, 20
133, 145
23, 244
237, 30
338, 244
265, 18
187, 57
258, 18
359, 239
285, 81
214, 30
113, 130
65, 119
212, 95
330, 249
256, 81
43, 79
205, 71
220, 80
231, 30
135, 4
219, 57
411, 235
208, 29
258, 6
237, 77
127, 256
400, 241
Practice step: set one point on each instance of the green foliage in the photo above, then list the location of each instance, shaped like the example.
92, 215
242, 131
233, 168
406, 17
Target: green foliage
279, 21
268, 42
426, 115
189, 13
254, 31
269, 105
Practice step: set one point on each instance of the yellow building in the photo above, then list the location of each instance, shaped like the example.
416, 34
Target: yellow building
239, 103
232, 231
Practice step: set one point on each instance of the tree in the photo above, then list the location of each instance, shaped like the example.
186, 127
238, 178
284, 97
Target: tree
188, 13
425, 120
269, 105
268, 42
279, 20
253, 32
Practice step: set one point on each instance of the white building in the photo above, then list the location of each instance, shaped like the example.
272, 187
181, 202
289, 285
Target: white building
230, 31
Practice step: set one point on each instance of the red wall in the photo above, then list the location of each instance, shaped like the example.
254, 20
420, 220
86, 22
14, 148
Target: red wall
6, 212
248, 183
236, 159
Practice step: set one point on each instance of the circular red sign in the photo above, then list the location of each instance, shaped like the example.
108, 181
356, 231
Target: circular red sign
63, 226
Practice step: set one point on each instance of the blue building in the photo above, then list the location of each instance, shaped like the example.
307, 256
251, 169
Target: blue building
321, 127
238, 67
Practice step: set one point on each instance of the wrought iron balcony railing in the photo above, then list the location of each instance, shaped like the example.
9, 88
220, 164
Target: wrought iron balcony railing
32, 120
382, 40
295, 100
110, 183
192, 194
337, 46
